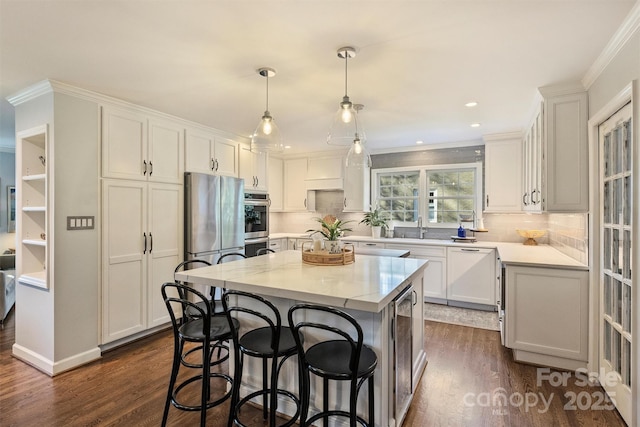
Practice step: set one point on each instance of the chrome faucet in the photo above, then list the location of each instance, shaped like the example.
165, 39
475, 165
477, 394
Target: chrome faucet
421, 230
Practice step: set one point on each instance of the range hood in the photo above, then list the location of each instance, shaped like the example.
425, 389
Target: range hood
325, 184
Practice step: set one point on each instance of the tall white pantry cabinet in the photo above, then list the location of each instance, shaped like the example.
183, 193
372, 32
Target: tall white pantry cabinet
142, 233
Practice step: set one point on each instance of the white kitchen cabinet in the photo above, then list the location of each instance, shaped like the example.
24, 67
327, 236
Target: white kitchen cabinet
277, 245
137, 146
295, 189
206, 152
276, 184
324, 172
471, 275
253, 168
435, 275
142, 241
357, 189
295, 244
503, 173
546, 315
555, 152
419, 356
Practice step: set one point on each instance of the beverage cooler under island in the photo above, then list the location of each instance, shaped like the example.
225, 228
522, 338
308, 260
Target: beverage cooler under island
381, 293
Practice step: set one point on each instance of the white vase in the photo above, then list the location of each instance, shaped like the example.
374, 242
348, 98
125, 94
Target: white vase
376, 231
333, 246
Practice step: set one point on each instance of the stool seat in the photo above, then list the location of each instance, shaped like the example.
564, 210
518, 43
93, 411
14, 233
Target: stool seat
331, 359
192, 330
257, 342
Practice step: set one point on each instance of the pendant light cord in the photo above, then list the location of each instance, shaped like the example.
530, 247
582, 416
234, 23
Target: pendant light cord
346, 59
267, 106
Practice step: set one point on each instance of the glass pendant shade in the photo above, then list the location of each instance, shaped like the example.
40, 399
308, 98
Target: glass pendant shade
358, 155
267, 138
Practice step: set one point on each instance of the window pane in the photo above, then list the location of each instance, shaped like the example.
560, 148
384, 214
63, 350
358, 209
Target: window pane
451, 195
398, 195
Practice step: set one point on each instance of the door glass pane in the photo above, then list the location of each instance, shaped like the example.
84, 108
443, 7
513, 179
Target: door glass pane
626, 360
627, 200
607, 248
617, 202
616, 357
626, 303
607, 341
608, 310
607, 155
617, 301
616, 151
626, 256
615, 251
627, 145
606, 202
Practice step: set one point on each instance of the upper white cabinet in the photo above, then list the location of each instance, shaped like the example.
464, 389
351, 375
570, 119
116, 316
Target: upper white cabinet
555, 152
295, 189
208, 153
253, 168
136, 146
276, 184
503, 173
357, 197
324, 173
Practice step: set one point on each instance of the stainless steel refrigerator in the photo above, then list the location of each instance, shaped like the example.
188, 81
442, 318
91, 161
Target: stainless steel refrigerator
214, 216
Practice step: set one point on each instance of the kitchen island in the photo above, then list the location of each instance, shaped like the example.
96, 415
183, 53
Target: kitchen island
366, 289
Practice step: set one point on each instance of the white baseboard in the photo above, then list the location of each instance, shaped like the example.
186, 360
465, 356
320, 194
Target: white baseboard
54, 368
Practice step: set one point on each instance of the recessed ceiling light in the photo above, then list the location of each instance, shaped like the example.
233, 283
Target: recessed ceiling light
419, 142
475, 125
471, 104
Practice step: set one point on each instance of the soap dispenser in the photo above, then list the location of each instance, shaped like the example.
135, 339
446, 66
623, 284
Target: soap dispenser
461, 231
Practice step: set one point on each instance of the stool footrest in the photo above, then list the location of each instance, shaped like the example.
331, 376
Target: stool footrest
182, 406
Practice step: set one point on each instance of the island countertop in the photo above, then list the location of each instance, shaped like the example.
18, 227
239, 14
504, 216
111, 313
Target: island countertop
368, 284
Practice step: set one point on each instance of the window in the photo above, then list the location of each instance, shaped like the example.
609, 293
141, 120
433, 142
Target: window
443, 194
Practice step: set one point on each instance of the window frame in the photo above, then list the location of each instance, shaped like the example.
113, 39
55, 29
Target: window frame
423, 197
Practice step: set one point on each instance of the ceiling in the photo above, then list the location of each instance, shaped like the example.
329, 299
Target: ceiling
417, 62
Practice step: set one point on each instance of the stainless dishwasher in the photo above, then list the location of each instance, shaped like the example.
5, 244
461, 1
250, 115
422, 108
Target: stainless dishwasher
402, 337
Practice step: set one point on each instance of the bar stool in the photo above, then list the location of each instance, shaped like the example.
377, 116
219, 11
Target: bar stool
272, 341
263, 251
224, 257
343, 359
203, 330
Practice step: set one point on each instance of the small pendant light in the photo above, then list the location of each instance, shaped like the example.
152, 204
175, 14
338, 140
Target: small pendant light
266, 137
345, 121
358, 155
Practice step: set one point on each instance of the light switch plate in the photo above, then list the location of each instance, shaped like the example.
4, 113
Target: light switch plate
81, 222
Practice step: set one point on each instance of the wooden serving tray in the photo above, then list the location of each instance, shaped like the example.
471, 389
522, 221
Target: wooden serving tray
325, 258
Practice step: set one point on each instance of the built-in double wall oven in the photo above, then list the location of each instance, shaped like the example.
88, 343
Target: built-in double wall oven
256, 222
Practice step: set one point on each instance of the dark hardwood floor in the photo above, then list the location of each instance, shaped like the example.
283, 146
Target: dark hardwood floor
468, 372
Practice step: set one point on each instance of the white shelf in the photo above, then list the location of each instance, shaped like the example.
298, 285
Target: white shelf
34, 209
38, 177
42, 243
37, 278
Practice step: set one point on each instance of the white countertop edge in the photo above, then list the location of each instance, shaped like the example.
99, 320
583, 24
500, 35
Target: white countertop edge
361, 302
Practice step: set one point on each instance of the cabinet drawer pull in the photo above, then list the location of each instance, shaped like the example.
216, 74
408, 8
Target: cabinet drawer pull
144, 170
150, 168
150, 242
213, 164
469, 250
144, 235
369, 244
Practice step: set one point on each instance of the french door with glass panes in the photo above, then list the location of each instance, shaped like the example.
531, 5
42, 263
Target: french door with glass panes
615, 148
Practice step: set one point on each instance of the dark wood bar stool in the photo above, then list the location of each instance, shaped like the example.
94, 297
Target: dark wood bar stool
342, 359
270, 342
203, 329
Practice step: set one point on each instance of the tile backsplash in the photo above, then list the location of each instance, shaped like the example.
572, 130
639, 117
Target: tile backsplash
566, 232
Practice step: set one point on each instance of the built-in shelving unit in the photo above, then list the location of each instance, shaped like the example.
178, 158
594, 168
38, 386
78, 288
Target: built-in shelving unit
32, 207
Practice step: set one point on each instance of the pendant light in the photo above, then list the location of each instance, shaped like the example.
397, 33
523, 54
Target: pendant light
266, 137
345, 122
358, 155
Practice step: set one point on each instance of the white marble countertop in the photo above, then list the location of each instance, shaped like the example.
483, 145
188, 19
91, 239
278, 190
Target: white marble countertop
510, 253
368, 284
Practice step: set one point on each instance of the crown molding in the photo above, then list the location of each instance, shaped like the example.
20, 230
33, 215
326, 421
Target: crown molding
54, 86
628, 28
505, 136
6, 149
427, 147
